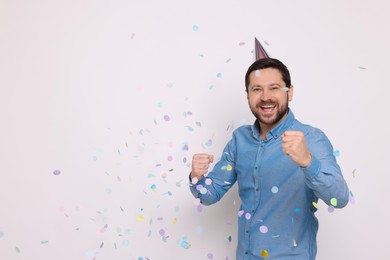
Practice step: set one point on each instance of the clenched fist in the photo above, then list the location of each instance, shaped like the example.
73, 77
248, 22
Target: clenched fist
294, 145
200, 165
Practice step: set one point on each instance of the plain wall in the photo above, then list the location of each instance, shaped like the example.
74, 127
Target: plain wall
103, 103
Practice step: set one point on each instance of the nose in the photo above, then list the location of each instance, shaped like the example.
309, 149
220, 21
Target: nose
265, 95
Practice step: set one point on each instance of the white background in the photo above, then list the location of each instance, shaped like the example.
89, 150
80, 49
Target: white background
85, 87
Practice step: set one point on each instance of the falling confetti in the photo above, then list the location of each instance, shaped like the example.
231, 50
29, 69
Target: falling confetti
219, 75
195, 28
203, 190
1, 234
274, 189
210, 256
263, 229
194, 180
229, 168
333, 201
167, 118
336, 153
351, 198
330, 209
264, 253
104, 229
315, 204
57, 172
295, 243
257, 73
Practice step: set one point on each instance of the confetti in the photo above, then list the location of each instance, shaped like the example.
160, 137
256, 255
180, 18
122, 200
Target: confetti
1, 234
330, 209
241, 43
315, 204
104, 229
229, 168
195, 28
57, 172
189, 128
208, 181
294, 243
351, 198
161, 232
90, 254
264, 253
248, 216
199, 229
219, 75
194, 180
210, 256
274, 189
336, 153
257, 73
333, 201
240, 213
209, 143
263, 229
203, 190
285, 89
167, 118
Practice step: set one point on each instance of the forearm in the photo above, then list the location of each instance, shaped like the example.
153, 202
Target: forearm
327, 182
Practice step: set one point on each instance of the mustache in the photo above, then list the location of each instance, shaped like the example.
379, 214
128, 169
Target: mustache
266, 103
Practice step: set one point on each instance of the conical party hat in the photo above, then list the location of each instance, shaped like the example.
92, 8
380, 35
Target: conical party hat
259, 50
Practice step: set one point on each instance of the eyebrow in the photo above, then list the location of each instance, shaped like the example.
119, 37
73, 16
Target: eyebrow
270, 85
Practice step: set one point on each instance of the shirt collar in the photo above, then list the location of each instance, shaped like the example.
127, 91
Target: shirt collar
276, 131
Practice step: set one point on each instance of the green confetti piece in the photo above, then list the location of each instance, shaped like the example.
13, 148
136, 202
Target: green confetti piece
333, 201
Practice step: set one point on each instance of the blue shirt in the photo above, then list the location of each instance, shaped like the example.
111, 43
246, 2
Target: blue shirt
278, 198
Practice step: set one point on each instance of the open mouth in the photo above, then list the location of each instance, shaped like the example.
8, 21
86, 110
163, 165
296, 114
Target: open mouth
268, 108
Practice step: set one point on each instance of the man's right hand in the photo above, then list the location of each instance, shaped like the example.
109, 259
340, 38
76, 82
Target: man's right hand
200, 165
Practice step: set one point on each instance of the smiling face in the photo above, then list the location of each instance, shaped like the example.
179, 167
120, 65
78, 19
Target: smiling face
268, 97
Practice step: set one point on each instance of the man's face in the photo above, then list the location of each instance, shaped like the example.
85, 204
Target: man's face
268, 97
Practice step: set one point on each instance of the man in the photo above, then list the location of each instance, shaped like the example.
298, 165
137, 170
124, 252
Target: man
282, 168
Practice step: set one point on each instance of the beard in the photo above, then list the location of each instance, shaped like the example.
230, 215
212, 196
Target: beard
270, 120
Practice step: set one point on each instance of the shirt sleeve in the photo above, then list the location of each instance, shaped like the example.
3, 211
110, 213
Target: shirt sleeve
218, 181
324, 175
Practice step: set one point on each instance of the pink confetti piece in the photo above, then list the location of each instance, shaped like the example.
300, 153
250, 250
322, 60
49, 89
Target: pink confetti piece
57, 172
104, 229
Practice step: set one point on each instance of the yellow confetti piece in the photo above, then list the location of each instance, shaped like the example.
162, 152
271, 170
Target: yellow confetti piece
295, 243
174, 221
315, 204
140, 218
229, 168
264, 253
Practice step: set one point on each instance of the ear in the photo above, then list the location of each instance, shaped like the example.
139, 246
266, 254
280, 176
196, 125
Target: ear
290, 93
